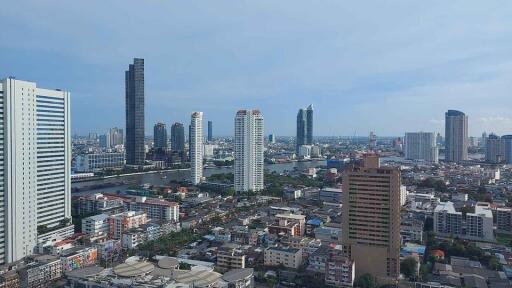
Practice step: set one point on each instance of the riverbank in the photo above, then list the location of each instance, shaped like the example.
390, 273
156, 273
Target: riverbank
163, 177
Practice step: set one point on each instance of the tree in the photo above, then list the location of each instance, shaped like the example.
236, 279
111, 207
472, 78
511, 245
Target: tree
366, 281
408, 267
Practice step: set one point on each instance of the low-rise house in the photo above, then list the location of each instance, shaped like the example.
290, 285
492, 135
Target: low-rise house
230, 256
288, 257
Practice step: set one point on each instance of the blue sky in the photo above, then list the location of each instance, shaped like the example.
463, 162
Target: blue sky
386, 66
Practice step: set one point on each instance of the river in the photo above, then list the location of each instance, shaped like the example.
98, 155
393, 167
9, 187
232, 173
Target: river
162, 178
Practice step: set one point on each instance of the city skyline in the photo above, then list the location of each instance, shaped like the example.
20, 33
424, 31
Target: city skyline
351, 69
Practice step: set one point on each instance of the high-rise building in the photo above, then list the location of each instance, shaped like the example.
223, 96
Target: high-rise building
116, 137
134, 81
271, 138
248, 151
372, 141
196, 147
105, 141
421, 146
507, 148
35, 187
493, 149
304, 127
483, 140
371, 219
456, 136
160, 136
210, 131
177, 137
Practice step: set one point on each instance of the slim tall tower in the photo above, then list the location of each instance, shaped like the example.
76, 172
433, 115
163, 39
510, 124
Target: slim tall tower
371, 222
35, 177
304, 127
177, 137
134, 81
248, 151
456, 136
160, 136
196, 147
309, 125
210, 131
494, 149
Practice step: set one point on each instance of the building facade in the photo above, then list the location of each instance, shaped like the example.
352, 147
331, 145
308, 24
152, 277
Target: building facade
493, 149
288, 257
134, 82
421, 146
474, 226
248, 148
36, 152
122, 222
371, 222
304, 127
160, 136
99, 161
456, 136
196, 147
210, 131
116, 136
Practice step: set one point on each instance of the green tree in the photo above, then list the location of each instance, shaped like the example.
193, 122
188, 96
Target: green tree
408, 267
366, 281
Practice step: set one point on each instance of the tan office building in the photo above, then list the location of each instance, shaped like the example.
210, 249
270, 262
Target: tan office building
371, 219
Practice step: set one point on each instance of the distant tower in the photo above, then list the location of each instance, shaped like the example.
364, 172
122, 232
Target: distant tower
421, 146
177, 137
372, 142
507, 148
160, 136
304, 127
456, 136
135, 152
210, 131
116, 137
196, 147
493, 149
272, 138
248, 151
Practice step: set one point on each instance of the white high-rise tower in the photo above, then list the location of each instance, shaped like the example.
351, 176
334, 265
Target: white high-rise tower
35, 175
196, 147
248, 151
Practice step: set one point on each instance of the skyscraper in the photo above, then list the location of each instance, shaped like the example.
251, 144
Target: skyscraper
35, 177
210, 131
271, 138
105, 141
160, 136
177, 137
248, 151
493, 149
116, 137
372, 141
134, 81
421, 146
456, 136
304, 127
507, 148
196, 147
371, 219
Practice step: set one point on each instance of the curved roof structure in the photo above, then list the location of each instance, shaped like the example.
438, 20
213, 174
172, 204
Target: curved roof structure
134, 269
168, 263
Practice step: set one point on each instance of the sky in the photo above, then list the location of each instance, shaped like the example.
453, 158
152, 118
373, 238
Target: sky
384, 66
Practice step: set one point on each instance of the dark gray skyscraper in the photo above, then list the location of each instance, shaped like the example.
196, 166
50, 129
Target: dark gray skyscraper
134, 82
160, 136
456, 136
177, 137
210, 131
309, 125
304, 127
